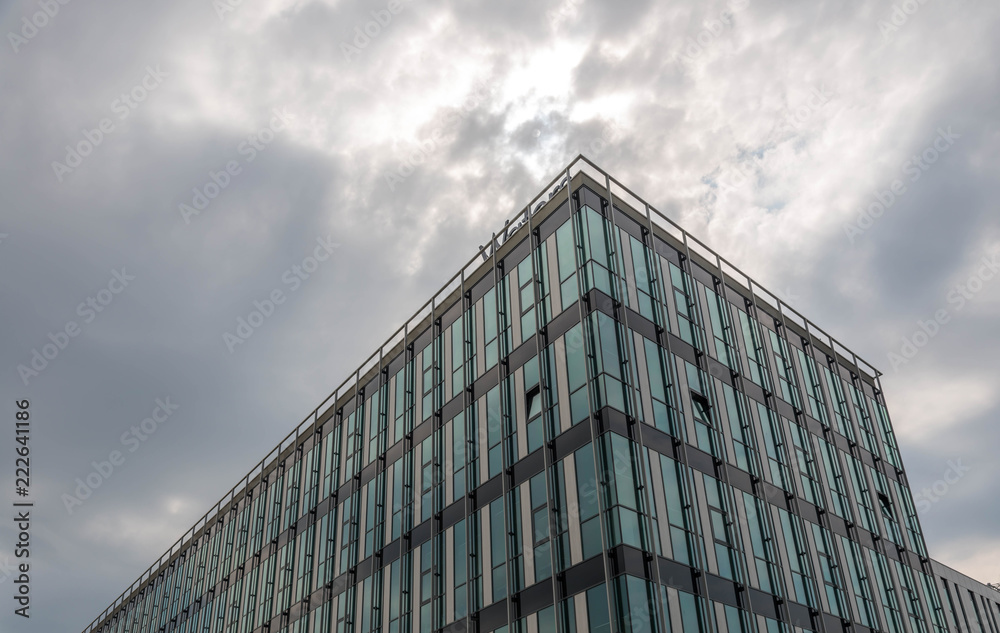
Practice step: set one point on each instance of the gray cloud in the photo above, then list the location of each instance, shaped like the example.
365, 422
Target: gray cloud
558, 77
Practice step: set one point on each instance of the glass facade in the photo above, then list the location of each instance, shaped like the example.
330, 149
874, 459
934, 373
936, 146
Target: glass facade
599, 428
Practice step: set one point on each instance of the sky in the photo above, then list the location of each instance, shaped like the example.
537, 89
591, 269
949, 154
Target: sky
164, 166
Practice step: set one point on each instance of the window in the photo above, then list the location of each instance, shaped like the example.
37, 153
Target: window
428, 380
864, 611
864, 420
325, 548
836, 388
744, 454
774, 445
765, 556
862, 495
598, 614
304, 566
799, 560
833, 580
498, 552
576, 366
680, 513
887, 592
348, 512
913, 531
626, 523
839, 503
722, 328
596, 250
804, 460
788, 389
526, 294
292, 479
722, 528
608, 362
494, 431
756, 354
561, 510
645, 278
814, 391
707, 437
374, 515
331, 462
312, 477
588, 498
566, 253
461, 573
533, 402
459, 448
426, 586
428, 478
378, 411
635, 605
692, 613
540, 527
661, 389
458, 346
686, 307
533, 409
886, 510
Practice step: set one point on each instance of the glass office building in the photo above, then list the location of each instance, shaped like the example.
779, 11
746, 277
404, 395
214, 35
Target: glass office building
597, 425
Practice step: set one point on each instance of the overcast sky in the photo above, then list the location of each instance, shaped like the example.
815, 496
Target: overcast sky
763, 127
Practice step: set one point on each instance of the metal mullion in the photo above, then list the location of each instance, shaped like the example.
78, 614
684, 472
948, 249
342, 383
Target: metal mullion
635, 423
738, 378
406, 494
691, 288
505, 470
848, 600
548, 447
790, 497
821, 512
582, 297
663, 341
467, 497
880, 541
